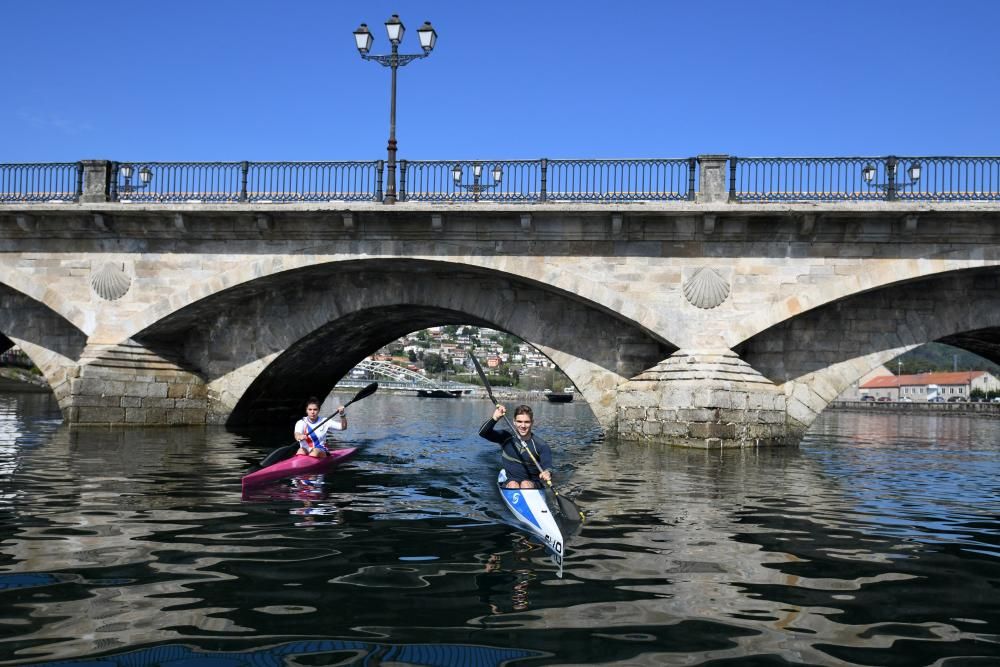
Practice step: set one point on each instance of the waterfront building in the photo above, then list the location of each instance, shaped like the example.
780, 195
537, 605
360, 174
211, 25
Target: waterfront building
925, 386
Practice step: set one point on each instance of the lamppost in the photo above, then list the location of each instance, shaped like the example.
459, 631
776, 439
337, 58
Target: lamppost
395, 29
145, 176
891, 186
476, 187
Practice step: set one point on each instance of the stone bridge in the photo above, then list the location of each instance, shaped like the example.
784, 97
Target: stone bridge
705, 322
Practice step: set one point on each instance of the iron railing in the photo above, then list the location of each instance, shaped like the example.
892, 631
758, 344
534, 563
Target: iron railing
548, 180
433, 180
176, 182
621, 180
277, 182
750, 179
800, 179
46, 182
313, 181
843, 179
954, 179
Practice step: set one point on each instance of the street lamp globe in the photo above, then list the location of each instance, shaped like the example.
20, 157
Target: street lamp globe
363, 38
914, 172
868, 173
395, 29
428, 36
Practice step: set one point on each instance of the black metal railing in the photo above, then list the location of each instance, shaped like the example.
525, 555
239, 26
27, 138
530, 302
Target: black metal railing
953, 179
750, 179
889, 178
44, 182
278, 182
548, 180
800, 179
434, 180
314, 181
621, 180
176, 181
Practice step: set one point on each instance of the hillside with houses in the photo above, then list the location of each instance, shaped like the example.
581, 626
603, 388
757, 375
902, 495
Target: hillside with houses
443, 353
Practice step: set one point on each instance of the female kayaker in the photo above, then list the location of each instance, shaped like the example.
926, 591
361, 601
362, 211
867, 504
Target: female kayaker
310, 431
521, 470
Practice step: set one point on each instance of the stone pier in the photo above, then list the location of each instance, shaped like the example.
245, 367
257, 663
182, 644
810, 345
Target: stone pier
704, 398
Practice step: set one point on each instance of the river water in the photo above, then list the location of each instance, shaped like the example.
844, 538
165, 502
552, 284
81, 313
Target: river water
876, 542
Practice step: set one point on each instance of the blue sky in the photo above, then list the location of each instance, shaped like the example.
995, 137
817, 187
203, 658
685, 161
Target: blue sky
268, 80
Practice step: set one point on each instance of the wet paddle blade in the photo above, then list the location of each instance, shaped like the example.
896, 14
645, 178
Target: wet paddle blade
569, 508
280, 454
364, 393
482, 376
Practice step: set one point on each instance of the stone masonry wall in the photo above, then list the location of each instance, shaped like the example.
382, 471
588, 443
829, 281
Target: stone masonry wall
127, 384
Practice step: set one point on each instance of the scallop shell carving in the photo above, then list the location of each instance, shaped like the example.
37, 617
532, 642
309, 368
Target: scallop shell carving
706, 288
110, 282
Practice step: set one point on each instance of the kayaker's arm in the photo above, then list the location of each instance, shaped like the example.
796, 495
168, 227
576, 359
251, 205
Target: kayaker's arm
487, 431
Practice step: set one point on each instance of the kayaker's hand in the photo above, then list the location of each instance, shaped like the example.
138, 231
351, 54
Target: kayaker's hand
545, 476
499, 413
340, 410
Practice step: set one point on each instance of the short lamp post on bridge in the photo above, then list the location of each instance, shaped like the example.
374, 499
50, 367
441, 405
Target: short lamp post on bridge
395, 29
145, 177
891, 185
477, 186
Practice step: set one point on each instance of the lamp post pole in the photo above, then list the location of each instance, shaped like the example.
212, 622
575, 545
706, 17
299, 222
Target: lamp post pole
390, 193
363, 40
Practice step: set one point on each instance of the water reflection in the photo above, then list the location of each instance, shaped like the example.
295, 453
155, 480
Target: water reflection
875, 541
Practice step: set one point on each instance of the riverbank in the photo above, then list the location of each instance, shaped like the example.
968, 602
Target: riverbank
14, 379
975, 409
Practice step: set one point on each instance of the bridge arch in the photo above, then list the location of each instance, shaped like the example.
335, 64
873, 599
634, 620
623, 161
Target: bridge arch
571, 279
53, 343
857, 280
817, 355
263, 345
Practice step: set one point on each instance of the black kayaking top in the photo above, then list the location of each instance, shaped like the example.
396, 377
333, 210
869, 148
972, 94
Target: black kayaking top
516, 462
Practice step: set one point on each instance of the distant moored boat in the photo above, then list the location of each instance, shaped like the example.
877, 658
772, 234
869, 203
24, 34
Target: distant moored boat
439, 393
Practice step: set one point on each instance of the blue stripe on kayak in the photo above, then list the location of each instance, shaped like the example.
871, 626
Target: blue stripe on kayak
517, 502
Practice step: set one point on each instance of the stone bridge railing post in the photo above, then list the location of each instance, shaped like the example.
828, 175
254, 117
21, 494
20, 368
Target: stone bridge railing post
96, 181
713, 179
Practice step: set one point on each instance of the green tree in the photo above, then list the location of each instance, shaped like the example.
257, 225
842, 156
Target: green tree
433, 363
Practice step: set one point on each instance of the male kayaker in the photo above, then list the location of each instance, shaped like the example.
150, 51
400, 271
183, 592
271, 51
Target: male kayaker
310, 431
521, 470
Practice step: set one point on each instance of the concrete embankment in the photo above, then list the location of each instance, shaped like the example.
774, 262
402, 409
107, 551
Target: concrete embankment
971, 409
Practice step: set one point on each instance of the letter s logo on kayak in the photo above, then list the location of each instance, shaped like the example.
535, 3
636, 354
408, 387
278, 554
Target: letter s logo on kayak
515, 498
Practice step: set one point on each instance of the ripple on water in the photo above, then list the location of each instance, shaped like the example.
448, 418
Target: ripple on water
875, 541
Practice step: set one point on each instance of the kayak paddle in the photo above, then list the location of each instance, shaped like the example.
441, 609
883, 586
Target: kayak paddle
566, 506
282, 453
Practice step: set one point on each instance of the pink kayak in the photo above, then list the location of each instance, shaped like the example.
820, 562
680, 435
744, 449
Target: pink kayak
296, 466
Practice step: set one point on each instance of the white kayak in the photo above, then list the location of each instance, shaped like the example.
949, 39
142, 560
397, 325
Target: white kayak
532, 512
